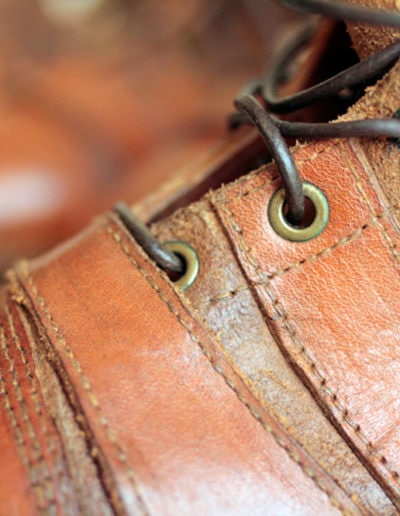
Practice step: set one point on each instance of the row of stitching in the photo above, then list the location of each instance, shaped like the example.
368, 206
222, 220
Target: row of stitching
391, 245
21, 441
313, 475
370, 449
38, 406
225, 294
33, 437
280, 313
121, 455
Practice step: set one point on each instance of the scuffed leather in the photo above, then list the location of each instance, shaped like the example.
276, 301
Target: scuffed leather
16, 492
169, 421
167, 412
224, 298
332, 302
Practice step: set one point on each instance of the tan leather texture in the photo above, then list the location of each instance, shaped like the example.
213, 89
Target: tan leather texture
224, 298
269, 387
167, 419
16, 491
37, 471
136, 452
332, 302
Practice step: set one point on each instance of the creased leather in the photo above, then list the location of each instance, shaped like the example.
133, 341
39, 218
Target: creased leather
332, 302
224, 298
16, 491
174, 428
47, 483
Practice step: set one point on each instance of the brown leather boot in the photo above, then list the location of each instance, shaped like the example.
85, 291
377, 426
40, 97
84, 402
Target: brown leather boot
263, 378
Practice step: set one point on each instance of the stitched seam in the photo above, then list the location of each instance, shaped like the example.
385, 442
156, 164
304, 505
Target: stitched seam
91, 396
44, 429
370, 449
61, 466
226, 294
36, 446
22, 445
67, 486
291, 452
392, 246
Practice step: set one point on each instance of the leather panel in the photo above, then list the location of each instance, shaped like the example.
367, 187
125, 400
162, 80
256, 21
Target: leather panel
333, 302
29, 476
173, 427
223, 297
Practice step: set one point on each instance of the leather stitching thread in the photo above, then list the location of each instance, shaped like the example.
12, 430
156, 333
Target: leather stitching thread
370, 449
22, 444
121, 455
61, 466
226, 294
291, 452
392, 246
44, 429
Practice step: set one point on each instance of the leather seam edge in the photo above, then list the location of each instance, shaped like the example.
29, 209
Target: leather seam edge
258, 417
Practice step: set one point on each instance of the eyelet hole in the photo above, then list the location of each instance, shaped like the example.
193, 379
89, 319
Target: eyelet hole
309, 214
190, 260
315, 219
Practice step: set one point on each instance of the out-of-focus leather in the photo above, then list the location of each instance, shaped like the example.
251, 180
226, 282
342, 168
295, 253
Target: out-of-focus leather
168, 419
17, 495
109, 106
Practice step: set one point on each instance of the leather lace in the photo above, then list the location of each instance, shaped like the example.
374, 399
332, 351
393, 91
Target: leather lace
258, 104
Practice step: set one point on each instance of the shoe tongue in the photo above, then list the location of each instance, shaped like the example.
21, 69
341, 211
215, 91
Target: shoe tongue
369, 39
380, 101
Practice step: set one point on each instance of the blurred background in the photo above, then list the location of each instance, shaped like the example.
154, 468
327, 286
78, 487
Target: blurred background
102, 100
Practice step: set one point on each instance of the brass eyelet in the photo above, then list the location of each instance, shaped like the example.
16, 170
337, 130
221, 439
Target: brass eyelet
293, 233
189, 256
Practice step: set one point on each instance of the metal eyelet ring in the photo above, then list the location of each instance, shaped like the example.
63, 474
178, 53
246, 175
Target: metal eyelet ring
186, 252
293, 233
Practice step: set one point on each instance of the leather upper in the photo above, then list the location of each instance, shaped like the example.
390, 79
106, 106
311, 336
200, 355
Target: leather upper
333, 301
155, 402
171, 423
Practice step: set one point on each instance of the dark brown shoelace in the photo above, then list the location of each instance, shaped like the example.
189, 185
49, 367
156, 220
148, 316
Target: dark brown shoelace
258, 104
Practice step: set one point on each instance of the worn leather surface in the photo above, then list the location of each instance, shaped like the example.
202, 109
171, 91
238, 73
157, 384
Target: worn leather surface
277, 370
381, 100
37, 470
332, 302
167, 406
223, 296
16, 492
167, 417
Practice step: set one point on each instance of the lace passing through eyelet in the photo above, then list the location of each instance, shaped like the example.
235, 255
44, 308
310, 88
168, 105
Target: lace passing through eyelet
177, 258
272, 129
316, 215
189, 256
299, 211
